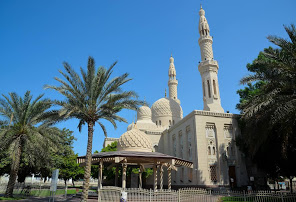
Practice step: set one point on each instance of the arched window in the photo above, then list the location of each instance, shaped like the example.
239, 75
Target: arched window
170, 122
209, 90
214, 86
214, 151
209, 150
160, 122
156, 122
227, 151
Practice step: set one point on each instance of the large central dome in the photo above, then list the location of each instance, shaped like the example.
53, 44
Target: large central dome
166, 112
166, 107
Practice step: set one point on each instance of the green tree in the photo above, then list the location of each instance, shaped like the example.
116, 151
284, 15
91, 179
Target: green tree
90, 98
23, 131
4, 162
66, 160
269, 107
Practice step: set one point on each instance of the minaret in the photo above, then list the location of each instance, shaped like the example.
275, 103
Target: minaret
208, 67
173, 82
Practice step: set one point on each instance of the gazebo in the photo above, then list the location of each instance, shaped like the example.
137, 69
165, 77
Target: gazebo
135, 148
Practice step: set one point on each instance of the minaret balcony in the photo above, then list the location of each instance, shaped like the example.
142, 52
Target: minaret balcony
206, 38
173, 82
208, 65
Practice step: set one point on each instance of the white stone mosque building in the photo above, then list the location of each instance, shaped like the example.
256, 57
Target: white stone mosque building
205, 137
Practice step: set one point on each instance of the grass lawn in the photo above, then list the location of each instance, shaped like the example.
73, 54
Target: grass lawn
44, 193
10, 198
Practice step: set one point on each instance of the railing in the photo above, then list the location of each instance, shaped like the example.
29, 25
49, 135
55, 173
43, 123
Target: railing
111, 194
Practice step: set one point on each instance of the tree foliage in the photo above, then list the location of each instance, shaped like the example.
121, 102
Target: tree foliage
24, 131
268, 106
90, 98
66, 160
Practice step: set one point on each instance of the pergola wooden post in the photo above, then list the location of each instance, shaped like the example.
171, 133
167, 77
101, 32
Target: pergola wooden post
100, 177
124, 167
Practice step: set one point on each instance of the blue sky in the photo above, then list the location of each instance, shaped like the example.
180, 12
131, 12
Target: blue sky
36, 37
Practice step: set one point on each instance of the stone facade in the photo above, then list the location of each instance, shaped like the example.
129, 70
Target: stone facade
207, 139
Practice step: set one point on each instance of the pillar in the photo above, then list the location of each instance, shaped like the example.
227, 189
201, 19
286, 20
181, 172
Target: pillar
124, 167
169, 177
100, 177
140, 177
155, 177
161, 177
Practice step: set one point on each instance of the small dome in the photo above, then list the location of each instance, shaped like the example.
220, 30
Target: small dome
134, 140
166, 107
144, 112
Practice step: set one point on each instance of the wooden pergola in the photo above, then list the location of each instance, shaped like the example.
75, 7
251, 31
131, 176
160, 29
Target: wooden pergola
141, 159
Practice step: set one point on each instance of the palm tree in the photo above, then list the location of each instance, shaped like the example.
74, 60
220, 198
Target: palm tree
276, 100
23, 131
90, 98
269, 114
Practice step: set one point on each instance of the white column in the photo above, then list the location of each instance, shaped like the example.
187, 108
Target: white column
169, 177
155, 177
161, 177
124, 167
100, 177
140, 177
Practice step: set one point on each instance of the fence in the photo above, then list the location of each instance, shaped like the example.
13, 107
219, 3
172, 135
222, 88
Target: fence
40, 190
112, 194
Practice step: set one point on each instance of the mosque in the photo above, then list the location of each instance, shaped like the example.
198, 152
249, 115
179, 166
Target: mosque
205, 137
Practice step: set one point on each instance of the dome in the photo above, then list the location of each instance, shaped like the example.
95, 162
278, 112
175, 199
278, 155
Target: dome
166, 107
134, 140
144, 112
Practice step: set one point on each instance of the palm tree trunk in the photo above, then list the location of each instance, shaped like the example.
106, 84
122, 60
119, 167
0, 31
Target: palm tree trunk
14, 170
88, 159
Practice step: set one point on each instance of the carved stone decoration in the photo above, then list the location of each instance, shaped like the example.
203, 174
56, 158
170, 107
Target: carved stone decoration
210, 130
228, 131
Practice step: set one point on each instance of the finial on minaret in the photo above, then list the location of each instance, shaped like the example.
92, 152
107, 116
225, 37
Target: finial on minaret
165, 93
200, 6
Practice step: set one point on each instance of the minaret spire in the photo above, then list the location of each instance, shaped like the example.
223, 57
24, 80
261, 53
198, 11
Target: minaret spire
208, 67
173, 82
